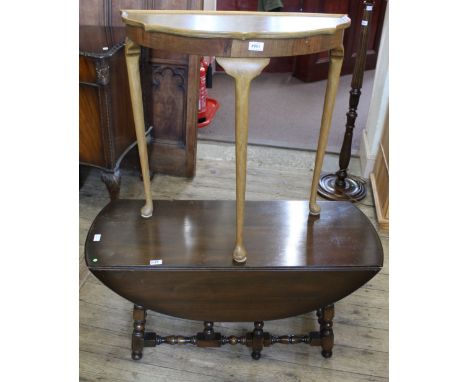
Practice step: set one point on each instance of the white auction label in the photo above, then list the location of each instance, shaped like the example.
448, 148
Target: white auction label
369, 8
256, 45
97, 237
364, 22
155, 262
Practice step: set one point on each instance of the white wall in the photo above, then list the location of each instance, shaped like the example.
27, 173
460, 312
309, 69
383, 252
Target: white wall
378, 106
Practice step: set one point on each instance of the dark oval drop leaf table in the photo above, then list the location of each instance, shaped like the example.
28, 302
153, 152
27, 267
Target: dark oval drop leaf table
233, 261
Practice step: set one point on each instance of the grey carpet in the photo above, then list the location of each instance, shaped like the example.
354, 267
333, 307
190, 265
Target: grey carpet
286, 112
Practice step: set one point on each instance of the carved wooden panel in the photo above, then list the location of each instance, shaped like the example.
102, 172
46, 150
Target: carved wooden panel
172, 103
170, 88
170, 95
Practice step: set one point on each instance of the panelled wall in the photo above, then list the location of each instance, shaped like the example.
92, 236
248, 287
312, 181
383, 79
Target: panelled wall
380, 179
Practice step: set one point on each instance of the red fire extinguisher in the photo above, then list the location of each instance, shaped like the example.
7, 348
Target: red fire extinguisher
207, 107
203, 92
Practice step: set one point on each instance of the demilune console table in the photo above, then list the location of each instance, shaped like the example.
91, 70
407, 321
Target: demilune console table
232, 261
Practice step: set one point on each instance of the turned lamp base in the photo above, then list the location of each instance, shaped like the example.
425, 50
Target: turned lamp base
353, 191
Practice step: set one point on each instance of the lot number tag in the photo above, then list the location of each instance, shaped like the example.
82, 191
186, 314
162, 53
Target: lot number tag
256, 45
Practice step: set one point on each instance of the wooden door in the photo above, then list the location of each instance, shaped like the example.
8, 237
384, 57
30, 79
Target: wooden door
315, 67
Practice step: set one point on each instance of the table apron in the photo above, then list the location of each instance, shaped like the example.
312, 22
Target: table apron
227, 47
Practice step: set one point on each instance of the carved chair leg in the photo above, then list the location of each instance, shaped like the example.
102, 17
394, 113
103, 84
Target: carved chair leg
112, 182
138, 336
243, 70
325, 319
257, 340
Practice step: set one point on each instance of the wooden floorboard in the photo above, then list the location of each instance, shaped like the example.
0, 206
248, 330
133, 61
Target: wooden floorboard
361, 319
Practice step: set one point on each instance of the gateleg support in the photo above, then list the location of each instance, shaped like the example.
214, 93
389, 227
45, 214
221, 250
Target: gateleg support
138, 336
325, 319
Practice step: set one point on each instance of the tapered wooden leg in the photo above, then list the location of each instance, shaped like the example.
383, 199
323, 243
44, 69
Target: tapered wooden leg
138, 336
336, 61
244, 70
132, 55
325, 319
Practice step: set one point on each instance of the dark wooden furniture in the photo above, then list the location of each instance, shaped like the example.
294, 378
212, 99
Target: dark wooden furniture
107, 132
340, 185
297, 262
315, 67
293, 257
170, 90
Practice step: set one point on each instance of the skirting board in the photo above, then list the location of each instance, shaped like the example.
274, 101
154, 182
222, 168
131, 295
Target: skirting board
383, 222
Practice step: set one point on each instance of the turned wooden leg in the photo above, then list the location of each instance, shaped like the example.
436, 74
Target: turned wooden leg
243, 70
325, 319
336, 60
257, 340
132, 55
112, 182
138, 336
208, 331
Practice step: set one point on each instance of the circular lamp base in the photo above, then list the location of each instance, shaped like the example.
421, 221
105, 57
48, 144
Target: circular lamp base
354, 190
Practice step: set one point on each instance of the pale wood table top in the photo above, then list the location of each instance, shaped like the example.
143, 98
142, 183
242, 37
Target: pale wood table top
238, 25
231, 34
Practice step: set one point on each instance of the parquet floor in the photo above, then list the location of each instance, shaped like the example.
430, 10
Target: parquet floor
361, 319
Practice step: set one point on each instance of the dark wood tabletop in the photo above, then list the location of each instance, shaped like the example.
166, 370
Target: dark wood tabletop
179, 261
199, 234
